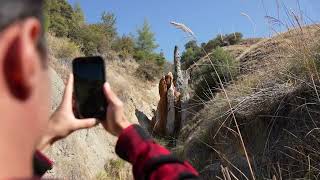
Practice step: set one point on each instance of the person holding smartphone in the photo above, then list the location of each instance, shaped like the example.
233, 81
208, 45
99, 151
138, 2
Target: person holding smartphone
149, 160
24, 107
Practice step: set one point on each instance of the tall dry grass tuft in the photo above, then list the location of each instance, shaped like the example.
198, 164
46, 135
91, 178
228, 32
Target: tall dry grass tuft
184, 28
292, 61
302, 67
251, 21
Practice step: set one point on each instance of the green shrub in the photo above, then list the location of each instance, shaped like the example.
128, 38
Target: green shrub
214, 43
141, 56
233, 38
92, 39
124, 46
58, 15
207, 79
223, 40
64, 21
159, 59
149, 70
62, 47
192, 54
151, 65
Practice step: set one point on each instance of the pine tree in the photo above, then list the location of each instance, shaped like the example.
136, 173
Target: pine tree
78, 16
59, 16
109, 23
146, 41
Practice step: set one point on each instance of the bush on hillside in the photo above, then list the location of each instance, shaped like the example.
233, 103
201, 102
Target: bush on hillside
192, 54
159, 59
141, 56
92, 40
149, 70
96, 38
207, 77
62, 47
59, 16
223, 40
63, 20
151, 65
124, 46
233, 38
213, 43
66, 21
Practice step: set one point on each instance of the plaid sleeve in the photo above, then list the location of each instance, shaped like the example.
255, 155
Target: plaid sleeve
149, 159
41, 164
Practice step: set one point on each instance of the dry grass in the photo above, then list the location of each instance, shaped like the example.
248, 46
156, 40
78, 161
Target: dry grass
115, 169
62, 47
265, 117
61, 52
134, 92
222, 85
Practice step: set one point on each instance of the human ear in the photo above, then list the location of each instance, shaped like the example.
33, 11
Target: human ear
21, 59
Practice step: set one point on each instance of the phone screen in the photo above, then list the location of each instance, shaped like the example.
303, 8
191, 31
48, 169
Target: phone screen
89, 77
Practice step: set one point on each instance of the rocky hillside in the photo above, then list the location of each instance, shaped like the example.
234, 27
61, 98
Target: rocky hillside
85, 154
264, 123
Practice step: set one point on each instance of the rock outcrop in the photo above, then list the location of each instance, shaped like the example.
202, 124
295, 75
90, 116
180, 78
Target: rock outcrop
158, 124
174, 99
171, 107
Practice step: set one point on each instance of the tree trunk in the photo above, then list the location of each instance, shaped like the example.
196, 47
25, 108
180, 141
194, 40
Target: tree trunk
170, 127
182, 88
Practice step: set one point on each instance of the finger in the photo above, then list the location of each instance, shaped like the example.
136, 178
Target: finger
111, 97
85, 123
67, 97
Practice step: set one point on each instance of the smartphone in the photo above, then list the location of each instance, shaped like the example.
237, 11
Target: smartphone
89, 77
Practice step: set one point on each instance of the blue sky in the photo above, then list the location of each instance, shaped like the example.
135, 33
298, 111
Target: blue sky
206, 18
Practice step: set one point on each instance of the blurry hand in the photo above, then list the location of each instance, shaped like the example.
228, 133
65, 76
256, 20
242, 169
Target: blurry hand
63, 122
115, 121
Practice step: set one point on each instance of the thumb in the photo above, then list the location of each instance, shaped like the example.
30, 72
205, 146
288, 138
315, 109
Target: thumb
110, 95
85, 123
67, 97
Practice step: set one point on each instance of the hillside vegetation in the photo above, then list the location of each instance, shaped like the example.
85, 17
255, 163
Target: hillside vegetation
89, 154
77, 37
254, 107
266, 116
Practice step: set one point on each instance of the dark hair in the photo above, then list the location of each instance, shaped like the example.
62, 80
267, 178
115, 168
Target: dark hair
12, 11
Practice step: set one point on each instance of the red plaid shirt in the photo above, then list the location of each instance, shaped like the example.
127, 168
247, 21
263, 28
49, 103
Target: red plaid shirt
149, 159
